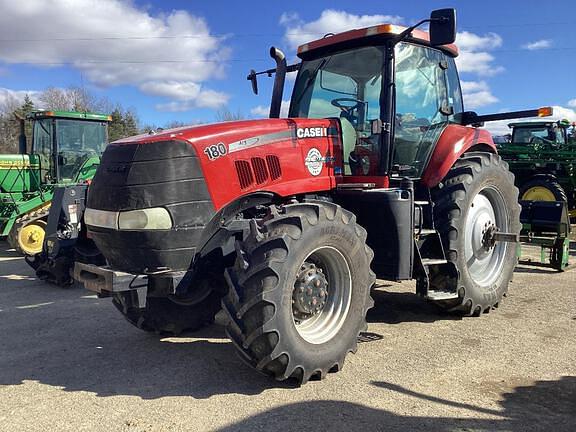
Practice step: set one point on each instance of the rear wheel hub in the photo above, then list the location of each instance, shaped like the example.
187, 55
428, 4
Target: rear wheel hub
310, 291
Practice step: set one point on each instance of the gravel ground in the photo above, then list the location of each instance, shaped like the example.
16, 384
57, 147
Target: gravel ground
69, 362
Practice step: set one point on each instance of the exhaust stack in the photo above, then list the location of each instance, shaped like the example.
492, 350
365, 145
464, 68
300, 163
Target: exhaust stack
278, 90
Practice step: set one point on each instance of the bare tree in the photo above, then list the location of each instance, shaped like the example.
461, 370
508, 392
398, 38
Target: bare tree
74, 98
225, 114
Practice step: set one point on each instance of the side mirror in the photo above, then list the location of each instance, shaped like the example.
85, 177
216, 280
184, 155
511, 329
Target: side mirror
442, 27
254, 80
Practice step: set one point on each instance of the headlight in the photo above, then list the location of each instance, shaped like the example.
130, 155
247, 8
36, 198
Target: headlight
145, 219
101, 218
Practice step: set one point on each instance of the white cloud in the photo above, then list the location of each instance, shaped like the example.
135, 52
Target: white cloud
474, 56
299, 32
477, 94
264, 111
115, 42
572, 103
468, 41
559, 113
536, 45
204, 99
9, 97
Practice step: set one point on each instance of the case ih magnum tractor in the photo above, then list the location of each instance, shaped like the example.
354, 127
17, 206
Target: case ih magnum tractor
287, 223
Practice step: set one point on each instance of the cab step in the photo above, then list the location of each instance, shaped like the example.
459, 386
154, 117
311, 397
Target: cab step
433, 261
425, 231
441, 295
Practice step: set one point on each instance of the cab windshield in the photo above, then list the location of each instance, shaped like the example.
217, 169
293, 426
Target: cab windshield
344, 85
347, 85
538, 134
78, 141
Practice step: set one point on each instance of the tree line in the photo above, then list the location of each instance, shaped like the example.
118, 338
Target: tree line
124, 122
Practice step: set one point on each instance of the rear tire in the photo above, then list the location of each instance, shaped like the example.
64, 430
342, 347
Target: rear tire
170, 315
299, 291
478, 192
543, 187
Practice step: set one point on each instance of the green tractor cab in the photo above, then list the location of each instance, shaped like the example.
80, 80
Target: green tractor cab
65, 149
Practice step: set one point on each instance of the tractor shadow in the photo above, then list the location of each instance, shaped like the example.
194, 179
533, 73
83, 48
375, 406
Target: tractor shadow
70, 339
6, 252
394, 307
539, 406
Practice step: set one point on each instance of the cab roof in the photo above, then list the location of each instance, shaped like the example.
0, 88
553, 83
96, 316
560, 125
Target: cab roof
69, 115
364, 36
538, 124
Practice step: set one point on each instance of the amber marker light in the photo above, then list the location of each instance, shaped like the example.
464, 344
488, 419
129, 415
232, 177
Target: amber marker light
545, 112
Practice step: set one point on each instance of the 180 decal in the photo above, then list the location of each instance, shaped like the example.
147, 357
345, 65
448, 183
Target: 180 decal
215, 151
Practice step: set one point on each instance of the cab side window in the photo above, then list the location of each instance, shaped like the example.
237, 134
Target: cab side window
454, 92
43, 132
421, 105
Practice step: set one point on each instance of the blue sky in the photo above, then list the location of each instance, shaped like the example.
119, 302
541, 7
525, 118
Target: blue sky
184, 60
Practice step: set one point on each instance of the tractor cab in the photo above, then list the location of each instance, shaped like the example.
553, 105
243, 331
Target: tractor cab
68, 145
348, 84
542, 134
392, 89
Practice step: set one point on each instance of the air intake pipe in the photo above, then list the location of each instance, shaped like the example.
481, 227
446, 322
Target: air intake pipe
278, 91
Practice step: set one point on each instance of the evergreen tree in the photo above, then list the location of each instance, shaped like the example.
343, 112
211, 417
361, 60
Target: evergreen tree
116, 126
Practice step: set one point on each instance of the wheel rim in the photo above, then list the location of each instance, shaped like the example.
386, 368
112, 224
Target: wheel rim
484, 258
31, 237
322, 294
538, 193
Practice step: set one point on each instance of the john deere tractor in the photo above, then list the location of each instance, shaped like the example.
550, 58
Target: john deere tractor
66, 149
543, 161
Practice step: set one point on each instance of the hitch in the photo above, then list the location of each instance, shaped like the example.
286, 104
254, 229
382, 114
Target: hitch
506, 237
492, 235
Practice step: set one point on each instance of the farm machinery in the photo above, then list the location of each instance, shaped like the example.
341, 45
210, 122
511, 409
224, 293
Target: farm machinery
66, 148
285, 223
543, 160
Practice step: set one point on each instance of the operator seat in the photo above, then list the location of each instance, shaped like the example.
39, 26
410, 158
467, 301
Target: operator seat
348, 142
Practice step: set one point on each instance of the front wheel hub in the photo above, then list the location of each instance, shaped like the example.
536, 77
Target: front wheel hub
310, 291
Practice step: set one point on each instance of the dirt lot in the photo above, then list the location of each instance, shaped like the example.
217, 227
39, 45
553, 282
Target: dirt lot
69, 362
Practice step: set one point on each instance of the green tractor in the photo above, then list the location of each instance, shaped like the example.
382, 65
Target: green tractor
66, 149
542, 157
543, 161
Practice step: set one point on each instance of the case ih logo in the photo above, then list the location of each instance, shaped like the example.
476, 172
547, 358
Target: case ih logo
313, 132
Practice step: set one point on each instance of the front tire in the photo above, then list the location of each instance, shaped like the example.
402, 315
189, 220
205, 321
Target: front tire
300, 290
172, 315
476, 196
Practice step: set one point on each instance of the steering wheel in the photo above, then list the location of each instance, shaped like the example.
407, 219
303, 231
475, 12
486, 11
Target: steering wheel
346, 104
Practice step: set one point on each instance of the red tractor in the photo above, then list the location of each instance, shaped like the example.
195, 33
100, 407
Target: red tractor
287, 223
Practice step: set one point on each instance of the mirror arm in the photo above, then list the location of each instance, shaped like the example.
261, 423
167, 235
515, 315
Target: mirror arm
406, 33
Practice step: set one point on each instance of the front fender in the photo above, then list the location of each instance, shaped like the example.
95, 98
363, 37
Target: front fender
453, 143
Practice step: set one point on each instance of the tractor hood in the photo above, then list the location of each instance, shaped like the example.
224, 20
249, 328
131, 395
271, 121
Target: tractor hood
276, 151
184, 177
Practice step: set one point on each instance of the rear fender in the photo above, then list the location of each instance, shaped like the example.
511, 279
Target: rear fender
453, 143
